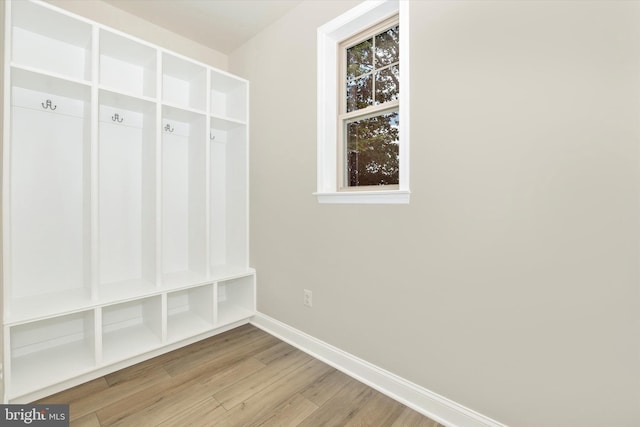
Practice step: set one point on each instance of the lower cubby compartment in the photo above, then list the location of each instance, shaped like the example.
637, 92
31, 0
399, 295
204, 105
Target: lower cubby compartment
45, 356
189, 312
235, 300
49, 351
131, 328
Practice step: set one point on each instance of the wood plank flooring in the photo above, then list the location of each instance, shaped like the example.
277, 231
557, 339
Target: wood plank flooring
243, 377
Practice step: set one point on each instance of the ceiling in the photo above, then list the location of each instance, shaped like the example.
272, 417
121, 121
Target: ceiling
223, 25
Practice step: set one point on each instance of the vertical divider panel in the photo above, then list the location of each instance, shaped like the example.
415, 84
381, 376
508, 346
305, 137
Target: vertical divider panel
204, 306
158, 172
207, 181
164, 315
6, 185
98, 335
93, 164
7, 364
155, 314
216, 303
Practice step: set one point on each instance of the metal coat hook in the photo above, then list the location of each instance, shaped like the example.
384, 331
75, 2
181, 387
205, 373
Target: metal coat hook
168, 128
48, 105
116, 118
211, 136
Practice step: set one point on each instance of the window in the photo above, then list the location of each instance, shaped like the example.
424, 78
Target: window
368, 122
363, 132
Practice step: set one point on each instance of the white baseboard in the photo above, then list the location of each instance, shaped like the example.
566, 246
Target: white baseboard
426, 402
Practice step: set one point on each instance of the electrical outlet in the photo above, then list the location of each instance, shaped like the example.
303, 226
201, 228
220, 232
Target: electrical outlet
308, 298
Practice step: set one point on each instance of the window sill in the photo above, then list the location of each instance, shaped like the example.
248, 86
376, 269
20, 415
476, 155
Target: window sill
392, 197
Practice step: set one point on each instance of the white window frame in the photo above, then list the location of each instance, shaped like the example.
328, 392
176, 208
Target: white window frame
330, 36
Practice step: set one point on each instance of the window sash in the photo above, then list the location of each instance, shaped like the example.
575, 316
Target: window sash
345, 117
355, 40
343, 121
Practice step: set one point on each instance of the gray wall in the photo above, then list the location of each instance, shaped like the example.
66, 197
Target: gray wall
510, 284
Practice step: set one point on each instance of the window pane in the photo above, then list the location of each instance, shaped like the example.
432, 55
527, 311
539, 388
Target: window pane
387, 49
359, 93
387, 84
371, 156
360, 59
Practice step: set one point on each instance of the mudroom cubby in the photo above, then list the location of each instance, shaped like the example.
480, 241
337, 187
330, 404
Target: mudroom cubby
51, 350
184, 83
228, 97
189, 310
125, 201
131, 328
127, 66
49, 41
48, 201
235, 299
127, 209
183, 197
228, 233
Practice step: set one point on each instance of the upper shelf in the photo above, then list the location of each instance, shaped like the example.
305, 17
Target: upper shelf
127, 66
228, 97
50, 41
184, 83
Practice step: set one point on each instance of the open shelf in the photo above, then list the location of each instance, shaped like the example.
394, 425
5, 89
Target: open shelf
50, 184
48, 304
228, 97
228, 272
49, 351
184, 83
235, 300
131, 328
127, 182
183, 196
50, 41
189, 312
228, 207
127, 66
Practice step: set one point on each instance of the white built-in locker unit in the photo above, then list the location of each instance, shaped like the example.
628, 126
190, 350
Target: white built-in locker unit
125, 201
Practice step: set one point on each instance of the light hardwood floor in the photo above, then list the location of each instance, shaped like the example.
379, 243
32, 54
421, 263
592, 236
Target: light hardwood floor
243, 377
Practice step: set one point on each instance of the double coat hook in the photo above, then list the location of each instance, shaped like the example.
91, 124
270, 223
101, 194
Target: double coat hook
48, 105
116, 118
168, 128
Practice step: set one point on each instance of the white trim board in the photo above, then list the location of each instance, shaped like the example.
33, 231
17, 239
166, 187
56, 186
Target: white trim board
418, 398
